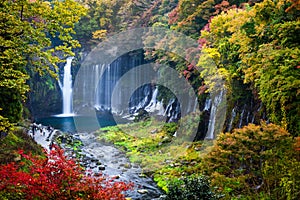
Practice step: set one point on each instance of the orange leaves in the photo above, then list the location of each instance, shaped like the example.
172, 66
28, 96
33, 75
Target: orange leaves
297, 144
295, 4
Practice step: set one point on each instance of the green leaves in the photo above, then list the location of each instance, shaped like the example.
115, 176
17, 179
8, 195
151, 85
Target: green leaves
272, 65
278, 80
27, 32
260, 47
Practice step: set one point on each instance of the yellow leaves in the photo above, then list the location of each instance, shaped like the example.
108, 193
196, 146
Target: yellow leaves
211, 69
260, 29
103, 21
228, 23
67, 12
100, 34
211, 53
25, 40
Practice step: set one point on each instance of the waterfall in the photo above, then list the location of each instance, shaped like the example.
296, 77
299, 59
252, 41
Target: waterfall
151, 107
213, 115
242, 117
247, 118
99, 81
66, 88
169, 108
120, 87
172, 110
160, 108
207, 105
96, 77
195, 105
233, 115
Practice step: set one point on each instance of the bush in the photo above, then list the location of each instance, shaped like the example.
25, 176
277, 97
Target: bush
55, 177
255, 162
190, 188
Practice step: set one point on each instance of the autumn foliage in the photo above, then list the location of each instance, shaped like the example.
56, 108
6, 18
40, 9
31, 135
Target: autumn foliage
55, 177
257, 162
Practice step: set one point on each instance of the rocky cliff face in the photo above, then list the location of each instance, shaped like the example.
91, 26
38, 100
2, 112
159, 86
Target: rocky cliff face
44, 97
99, 82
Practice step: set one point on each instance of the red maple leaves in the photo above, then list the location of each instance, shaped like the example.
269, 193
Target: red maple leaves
56, 177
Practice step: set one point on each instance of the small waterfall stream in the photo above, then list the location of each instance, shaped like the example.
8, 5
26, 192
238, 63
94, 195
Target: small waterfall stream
215, 103
242, 117
233, 115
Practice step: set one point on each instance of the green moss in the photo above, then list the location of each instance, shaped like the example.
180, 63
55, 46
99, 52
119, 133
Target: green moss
151, 145
14, 141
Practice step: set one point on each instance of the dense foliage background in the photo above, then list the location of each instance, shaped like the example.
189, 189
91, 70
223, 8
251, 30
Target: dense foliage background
254, 45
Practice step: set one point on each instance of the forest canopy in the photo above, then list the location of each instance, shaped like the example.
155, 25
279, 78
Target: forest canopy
28, 30
255, 45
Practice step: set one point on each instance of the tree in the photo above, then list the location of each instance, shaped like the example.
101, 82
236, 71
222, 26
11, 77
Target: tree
257, 48
270, 54
100, 20
27, 31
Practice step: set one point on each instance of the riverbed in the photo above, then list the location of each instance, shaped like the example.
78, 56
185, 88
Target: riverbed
104, 158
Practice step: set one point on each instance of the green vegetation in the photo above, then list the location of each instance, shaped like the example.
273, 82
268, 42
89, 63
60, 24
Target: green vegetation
150, 144
254, 46
28, 31
257, 162
192, 188
14, 141
258, 46
244, 164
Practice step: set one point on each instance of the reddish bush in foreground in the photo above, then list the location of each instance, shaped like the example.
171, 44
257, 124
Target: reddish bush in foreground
55, 177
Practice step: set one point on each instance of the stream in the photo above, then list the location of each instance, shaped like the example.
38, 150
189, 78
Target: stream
104, 158
117, 164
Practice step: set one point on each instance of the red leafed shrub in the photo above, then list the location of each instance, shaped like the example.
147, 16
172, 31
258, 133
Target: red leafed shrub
55, 177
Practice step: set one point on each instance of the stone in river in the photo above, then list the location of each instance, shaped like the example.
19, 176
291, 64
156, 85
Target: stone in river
101, 167
143, 191
127, 165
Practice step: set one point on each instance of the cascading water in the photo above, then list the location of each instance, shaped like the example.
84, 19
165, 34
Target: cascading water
207, 105
66, 89
233, 115
100, 82
152, 105
140, 99
213, 115
242, 117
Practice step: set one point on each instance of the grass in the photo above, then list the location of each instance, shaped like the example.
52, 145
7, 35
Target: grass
14, 141
151, 144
